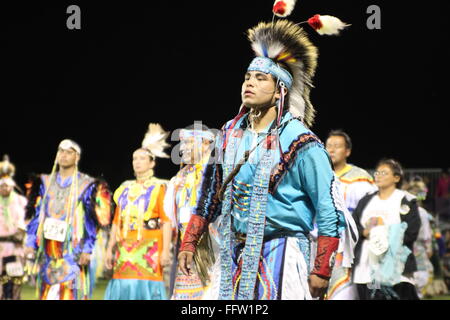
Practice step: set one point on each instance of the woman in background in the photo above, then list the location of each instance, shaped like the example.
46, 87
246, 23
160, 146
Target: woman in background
141, 230
388, 223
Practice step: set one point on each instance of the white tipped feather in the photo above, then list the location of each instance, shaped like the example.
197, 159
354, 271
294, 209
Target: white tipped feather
283, 8
331, 25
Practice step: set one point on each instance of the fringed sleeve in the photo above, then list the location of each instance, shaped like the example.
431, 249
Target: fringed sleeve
209, 205
318, 180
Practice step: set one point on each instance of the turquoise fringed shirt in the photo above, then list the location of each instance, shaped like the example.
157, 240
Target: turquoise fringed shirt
301, 183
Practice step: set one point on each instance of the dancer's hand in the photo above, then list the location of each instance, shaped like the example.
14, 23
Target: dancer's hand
85, 258
317, 286
109, 259
165, 258
185, 259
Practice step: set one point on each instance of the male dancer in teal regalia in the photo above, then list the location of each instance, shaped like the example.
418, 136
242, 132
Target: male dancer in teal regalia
273, 179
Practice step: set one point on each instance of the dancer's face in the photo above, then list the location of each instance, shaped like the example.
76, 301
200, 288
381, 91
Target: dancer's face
192, 151
5, 190
337, 149
385, 178
259, 90
67, 158
189, 150
142, 162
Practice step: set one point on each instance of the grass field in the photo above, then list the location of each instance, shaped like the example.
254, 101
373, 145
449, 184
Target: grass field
28, 292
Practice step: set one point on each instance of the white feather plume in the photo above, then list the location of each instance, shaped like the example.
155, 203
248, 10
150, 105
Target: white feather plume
6, 167
331, 25
283, 8
154, 140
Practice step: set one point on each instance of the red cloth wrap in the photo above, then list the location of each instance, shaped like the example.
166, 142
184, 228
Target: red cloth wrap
326, 252
194, 230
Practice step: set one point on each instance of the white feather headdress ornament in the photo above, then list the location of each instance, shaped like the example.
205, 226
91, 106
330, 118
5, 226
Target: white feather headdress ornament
155, 140
7, 171
283, 8
325, 24
6, 167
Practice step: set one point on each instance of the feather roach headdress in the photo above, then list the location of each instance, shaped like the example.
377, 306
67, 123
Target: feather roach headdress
155, 140
284, 50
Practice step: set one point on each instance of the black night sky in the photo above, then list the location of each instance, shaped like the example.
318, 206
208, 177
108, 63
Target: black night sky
173, 63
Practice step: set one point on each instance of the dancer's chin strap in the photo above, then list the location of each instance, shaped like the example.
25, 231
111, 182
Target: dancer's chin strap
280, 113
281, 103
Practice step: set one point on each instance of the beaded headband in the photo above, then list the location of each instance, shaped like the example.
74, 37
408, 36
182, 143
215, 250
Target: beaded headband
267, 65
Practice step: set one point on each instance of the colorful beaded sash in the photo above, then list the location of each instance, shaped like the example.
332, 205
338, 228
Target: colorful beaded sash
256, 218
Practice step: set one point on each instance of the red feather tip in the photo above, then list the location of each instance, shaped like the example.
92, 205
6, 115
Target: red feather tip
279, 8
315, 22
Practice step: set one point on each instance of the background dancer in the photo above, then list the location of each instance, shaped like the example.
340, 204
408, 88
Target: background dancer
12, 232
66, 209
141, 231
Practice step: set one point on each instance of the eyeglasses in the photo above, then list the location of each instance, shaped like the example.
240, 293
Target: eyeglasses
381, 173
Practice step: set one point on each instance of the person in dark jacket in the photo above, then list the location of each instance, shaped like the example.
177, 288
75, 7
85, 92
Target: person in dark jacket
388, 224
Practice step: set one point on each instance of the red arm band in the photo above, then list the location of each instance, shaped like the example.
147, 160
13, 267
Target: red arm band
194, 230
326, 252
